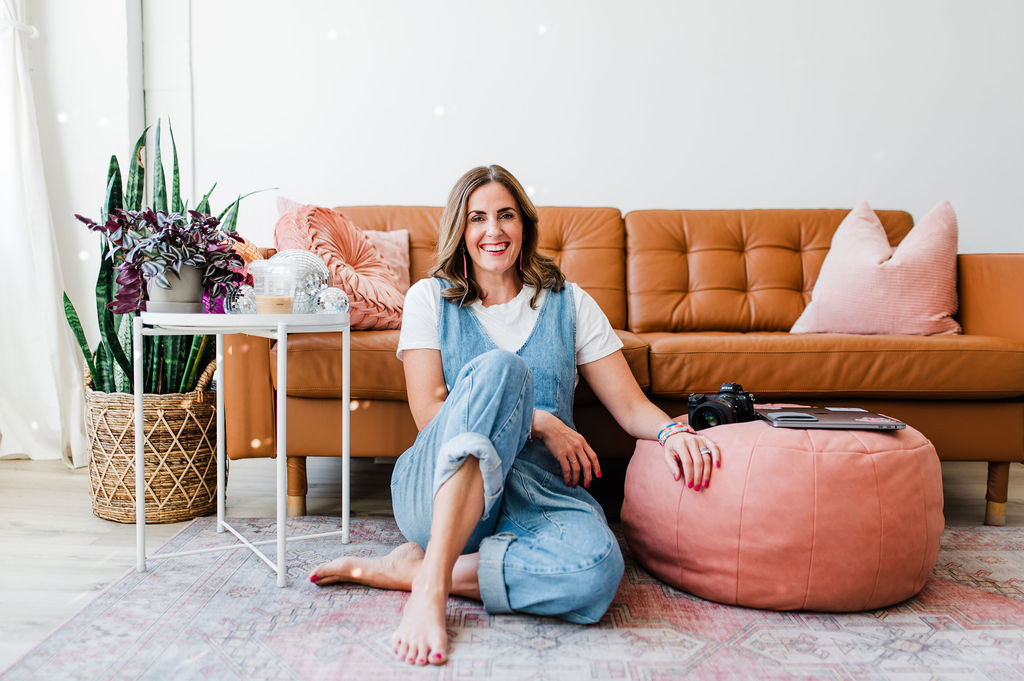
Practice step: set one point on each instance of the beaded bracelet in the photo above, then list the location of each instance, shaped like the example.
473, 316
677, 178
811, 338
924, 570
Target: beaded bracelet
672, 429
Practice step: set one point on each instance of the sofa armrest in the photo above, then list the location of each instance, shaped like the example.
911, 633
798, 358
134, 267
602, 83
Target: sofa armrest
991, 287
248, 397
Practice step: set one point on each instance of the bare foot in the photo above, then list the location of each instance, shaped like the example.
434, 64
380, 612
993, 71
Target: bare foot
421, 636
394, 571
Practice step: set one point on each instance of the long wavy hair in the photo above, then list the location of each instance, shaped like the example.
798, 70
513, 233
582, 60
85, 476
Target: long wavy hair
538, 270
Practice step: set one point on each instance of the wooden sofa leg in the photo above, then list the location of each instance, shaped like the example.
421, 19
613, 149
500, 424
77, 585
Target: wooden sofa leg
995, 497
297, 486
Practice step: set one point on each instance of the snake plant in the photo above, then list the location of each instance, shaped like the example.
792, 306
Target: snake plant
170, 363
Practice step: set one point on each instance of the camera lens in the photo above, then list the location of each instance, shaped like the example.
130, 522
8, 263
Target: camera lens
707, 416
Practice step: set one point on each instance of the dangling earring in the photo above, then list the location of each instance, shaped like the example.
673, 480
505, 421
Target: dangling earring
520, 259
465, 272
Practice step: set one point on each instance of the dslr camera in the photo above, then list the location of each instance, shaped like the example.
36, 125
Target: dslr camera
730, 405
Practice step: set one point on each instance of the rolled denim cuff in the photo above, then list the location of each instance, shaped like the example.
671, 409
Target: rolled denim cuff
490, 572
454, 452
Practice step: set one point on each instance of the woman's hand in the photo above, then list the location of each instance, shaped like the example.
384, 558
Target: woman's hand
569, 448
692, 457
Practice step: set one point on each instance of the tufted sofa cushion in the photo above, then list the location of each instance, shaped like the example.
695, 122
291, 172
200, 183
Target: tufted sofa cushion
729, 270
588, 245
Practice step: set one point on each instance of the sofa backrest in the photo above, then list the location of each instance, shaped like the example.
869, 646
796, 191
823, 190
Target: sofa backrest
587, 243
729, 270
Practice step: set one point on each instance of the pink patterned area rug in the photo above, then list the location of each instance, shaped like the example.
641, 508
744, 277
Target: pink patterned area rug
220, 616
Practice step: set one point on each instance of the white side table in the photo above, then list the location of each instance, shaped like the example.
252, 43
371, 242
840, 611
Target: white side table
273, 326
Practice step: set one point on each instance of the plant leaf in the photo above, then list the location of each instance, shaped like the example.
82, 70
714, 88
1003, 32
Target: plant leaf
195, 357
114, 195
159, 180
204, 204
136, 175
176, 205
108, 332
229, 218
76, 327
104, 380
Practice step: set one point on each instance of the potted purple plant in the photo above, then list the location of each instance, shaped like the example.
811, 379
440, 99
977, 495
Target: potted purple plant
161, 256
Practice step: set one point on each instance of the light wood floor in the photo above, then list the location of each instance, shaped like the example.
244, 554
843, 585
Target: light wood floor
56, 555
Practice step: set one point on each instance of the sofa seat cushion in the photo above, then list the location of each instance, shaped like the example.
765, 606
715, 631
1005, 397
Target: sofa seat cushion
314, 365
779, 365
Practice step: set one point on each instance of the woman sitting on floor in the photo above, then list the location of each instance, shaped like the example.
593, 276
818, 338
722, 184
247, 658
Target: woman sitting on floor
490, 489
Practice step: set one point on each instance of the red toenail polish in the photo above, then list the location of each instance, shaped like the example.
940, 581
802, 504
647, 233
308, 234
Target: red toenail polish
437, 656
313, 578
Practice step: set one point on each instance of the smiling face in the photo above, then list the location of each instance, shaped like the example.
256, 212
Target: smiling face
494, 232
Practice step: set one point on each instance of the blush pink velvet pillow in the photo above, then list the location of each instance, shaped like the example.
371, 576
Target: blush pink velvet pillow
393, 245
867, 287
356, 265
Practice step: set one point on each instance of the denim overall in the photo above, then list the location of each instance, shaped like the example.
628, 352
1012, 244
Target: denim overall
545, 548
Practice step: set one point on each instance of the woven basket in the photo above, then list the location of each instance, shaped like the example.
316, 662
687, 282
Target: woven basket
180, 450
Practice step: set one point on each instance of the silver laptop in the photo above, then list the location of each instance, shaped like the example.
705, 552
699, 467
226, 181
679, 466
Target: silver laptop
835, 418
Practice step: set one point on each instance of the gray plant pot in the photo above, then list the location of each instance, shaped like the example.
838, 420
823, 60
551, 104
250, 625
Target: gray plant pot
184, 295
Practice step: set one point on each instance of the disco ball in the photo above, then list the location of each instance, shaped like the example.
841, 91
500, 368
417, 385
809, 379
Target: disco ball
311, 277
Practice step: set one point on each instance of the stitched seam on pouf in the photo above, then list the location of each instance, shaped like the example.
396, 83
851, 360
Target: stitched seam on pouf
743, 504
882, 526
814, 520
925, 517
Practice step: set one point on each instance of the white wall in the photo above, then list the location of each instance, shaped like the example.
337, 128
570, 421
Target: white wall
641, 104
86, 74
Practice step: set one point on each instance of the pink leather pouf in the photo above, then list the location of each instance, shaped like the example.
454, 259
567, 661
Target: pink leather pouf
827, 520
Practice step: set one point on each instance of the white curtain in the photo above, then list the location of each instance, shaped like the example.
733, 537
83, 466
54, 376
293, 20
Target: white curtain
41, 399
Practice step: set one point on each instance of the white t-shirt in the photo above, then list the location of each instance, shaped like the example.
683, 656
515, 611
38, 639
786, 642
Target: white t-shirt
508, 324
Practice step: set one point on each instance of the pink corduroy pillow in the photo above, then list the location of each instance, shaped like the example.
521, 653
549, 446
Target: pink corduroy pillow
356, 265
867, 287
394, 248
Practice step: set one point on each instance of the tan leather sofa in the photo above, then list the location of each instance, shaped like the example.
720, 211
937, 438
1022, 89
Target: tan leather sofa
698, 298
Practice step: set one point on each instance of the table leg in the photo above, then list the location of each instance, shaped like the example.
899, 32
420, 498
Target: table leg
282, 450
221, 463
346, 420
140, 455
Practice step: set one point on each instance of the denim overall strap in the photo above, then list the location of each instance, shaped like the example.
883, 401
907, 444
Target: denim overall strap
549, 350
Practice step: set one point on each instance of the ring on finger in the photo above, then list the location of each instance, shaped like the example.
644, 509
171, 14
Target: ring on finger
705, 450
